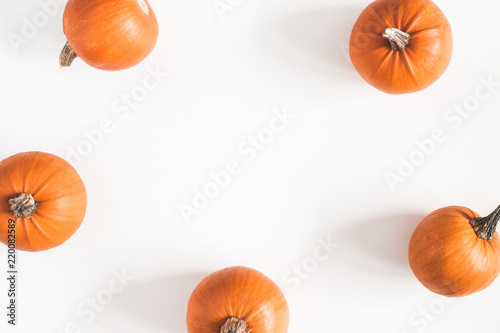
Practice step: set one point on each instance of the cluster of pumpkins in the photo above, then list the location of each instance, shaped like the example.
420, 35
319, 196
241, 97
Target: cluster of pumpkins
397, 46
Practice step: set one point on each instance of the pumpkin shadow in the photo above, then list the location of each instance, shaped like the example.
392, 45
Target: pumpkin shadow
160, 303
39, 27
384, 239
317, 39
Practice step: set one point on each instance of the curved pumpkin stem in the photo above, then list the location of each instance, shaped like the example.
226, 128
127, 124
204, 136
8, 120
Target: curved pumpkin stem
397, 38
234, 325
67, 56
23, 205
485, 227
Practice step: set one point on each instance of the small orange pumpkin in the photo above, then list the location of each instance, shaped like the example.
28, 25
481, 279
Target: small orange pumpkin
44, 196
109, 35
455, 252
401, 46
237, 300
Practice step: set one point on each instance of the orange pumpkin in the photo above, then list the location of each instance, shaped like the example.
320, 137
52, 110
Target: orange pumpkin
455, 252
401, 46
109, 35
237, 300
45, 197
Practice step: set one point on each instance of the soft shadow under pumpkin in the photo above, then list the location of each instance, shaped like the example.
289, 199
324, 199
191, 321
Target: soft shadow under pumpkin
161, 303
316, 39
385, 239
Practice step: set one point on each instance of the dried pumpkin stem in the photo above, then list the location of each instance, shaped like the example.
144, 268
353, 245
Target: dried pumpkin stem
485, 227
23, 205
234, 325
67, 56
397, 38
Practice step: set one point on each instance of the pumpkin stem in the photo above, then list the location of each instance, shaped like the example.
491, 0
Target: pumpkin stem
485, 227
234, 325
67, 56
397, 38
23, 205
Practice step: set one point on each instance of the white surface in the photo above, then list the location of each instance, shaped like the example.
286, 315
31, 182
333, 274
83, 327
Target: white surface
323, 176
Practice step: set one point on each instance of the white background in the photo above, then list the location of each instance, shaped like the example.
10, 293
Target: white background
323, 177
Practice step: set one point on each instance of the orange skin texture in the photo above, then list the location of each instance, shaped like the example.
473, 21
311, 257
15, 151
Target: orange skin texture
239, 292
448, 258
56, 186
423, 61
110, 35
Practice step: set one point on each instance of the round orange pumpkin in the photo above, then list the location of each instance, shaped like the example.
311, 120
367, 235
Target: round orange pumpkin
401, 46
455, 252
44, 196
109, 35
237, 300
